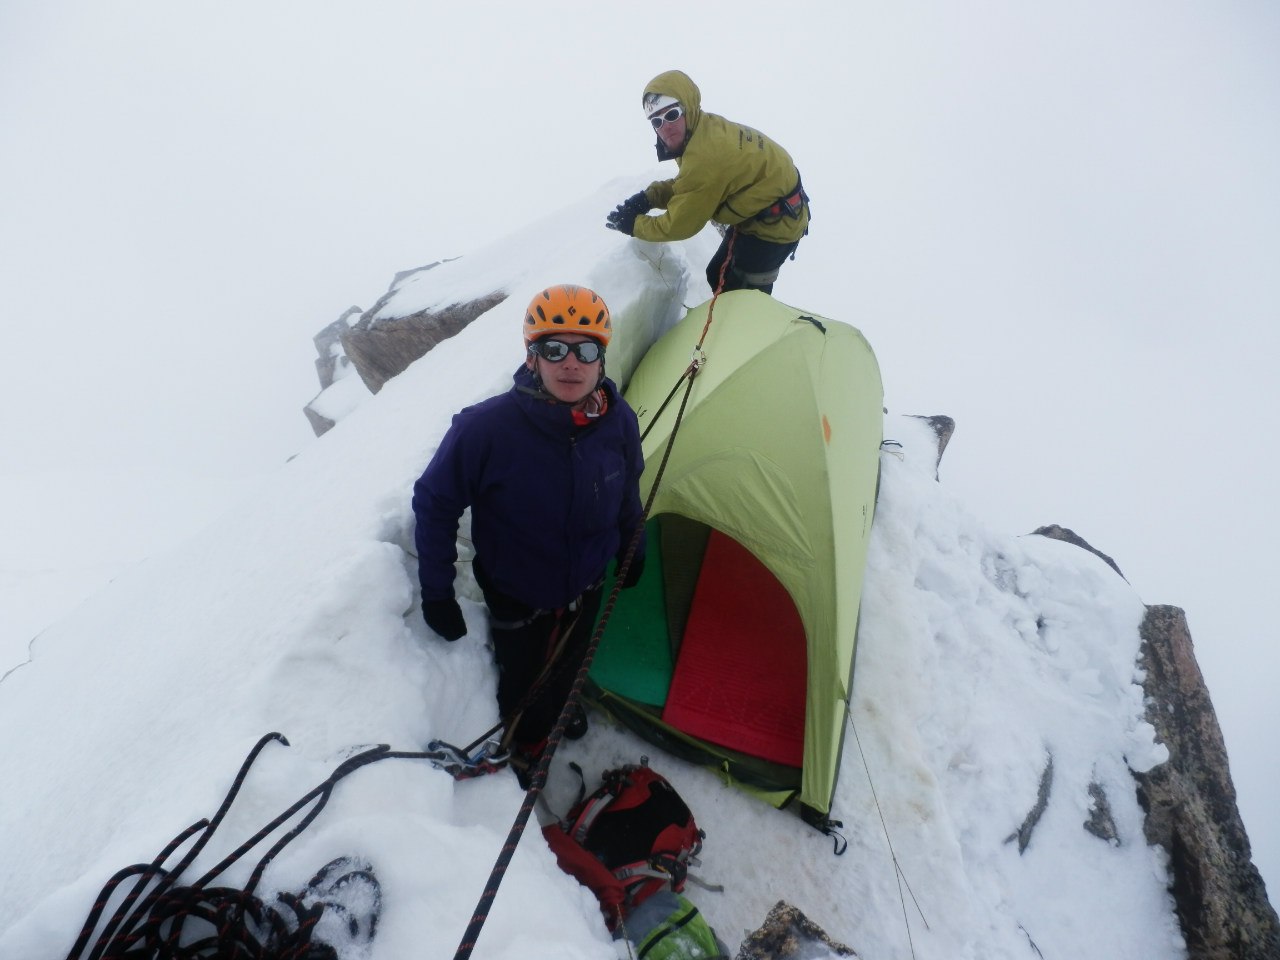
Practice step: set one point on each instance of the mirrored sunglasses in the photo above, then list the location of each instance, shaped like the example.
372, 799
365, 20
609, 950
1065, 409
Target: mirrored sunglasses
670, 116
588, 351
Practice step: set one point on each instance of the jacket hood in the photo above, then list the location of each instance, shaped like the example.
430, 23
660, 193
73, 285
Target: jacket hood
676, 83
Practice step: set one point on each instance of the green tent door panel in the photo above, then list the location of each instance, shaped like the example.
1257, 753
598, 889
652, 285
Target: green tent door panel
634, 658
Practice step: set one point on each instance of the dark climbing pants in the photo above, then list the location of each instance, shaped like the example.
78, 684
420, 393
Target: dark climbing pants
524, 641
755, 263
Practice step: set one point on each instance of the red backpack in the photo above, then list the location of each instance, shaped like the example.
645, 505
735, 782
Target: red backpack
629, 839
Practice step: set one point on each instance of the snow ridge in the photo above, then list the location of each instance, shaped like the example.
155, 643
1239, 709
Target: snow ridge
982, 658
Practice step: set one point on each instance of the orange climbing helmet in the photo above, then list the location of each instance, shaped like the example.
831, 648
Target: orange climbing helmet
567, 308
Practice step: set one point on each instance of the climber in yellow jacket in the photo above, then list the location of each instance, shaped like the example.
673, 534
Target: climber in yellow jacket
729, 174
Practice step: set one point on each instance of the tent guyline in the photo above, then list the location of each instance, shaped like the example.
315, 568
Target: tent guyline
162, 916
899, 874
539, 777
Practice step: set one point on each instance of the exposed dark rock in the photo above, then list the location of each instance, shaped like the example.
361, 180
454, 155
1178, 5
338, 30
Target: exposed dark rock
327, 358
1101, 822
1055, 532
787, 934
943, 428
320, 424
382, 348
1190, 800
1190, 803
1023, 833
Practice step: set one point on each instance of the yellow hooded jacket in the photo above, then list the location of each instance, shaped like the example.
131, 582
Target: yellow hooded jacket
728, 173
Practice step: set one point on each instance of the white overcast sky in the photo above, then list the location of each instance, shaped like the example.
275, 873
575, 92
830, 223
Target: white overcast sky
1074, 205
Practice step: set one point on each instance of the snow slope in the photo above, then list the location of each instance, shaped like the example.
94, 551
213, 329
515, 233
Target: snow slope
980, 657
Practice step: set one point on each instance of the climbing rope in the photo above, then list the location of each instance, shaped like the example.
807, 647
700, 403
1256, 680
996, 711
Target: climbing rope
160, 917
715, 295
699, 358
539, 776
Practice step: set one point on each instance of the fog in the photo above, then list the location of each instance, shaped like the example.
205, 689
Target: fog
1058, 226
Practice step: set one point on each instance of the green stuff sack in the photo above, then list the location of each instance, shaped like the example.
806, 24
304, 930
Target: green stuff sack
668, 927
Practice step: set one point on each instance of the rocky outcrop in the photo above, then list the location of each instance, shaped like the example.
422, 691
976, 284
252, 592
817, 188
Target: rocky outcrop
1190, 800
381, 347
1023, 834
1101, 822
1055, 532
1191, 806
787, 934
320, 424
330, 358
943, 427
377, 345
332, 364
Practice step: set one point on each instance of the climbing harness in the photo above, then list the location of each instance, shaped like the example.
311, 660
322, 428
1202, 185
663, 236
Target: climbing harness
792, 205
557, 643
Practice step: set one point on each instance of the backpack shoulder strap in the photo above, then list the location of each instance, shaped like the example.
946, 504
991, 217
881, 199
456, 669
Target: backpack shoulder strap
584, 813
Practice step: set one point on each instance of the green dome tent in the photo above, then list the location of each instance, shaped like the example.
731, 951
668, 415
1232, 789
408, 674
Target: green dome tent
736, 648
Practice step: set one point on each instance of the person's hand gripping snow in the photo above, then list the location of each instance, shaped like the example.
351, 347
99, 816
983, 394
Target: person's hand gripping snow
623, 217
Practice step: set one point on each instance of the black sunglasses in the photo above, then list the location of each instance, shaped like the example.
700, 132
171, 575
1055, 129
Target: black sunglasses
671, 116
588, 351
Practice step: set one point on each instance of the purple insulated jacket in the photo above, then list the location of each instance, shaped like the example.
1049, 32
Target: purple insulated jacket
551, 502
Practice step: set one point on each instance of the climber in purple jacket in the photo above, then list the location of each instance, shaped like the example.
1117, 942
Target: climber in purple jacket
551, 471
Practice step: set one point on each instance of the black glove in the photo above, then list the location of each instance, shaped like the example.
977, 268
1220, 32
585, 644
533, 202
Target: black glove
634, 572
445, 618
637, 203
622, 220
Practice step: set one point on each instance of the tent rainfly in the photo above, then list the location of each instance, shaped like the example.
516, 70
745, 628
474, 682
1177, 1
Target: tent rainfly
736, 648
